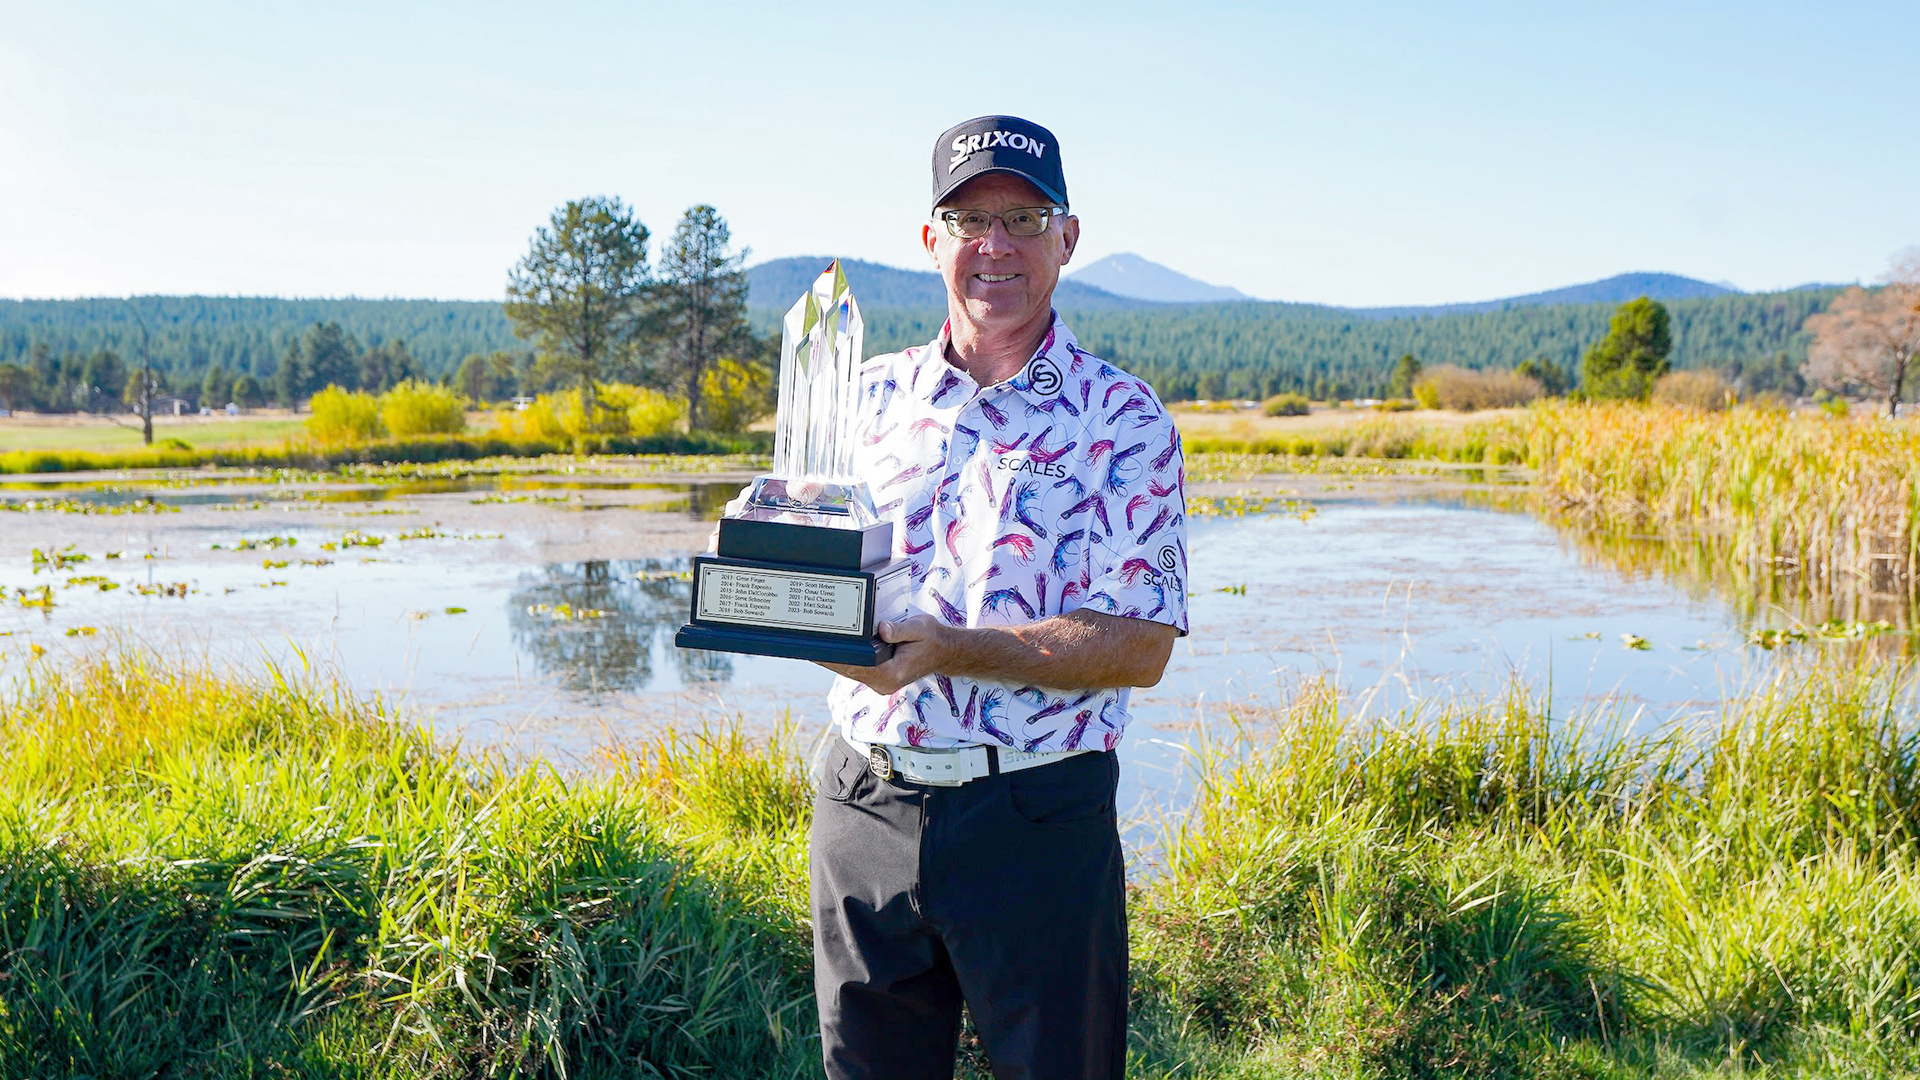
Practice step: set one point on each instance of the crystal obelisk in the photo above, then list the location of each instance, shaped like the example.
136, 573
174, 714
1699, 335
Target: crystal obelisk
806, 570
820, 350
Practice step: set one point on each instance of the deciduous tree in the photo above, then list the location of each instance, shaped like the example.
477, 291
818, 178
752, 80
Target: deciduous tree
1868, 338
581, 291
703, 303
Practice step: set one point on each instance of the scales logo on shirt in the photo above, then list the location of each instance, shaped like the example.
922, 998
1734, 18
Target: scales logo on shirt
1044, 377
965, 146
1023, 463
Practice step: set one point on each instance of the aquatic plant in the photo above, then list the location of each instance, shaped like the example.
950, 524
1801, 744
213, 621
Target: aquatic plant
83, 506
1823, 499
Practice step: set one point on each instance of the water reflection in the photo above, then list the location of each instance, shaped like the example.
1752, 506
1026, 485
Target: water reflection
1777, 597
1776, 600
598, 626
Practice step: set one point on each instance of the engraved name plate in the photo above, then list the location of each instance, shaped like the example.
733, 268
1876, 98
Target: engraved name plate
759, 596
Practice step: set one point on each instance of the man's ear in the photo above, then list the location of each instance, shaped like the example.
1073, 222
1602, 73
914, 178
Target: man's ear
1069, 238
932, 241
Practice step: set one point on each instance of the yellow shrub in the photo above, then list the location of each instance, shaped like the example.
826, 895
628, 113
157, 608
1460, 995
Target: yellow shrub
734, 395
421, 408
1287, 405
1694, 390
619, 410
344, 416
1450, 387
651, 413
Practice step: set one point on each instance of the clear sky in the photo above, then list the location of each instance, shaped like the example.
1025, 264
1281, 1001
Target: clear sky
1355, 153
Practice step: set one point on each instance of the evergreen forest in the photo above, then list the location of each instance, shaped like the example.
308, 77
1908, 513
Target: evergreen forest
74, 354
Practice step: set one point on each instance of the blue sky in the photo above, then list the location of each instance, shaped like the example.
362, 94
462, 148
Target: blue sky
1353, 153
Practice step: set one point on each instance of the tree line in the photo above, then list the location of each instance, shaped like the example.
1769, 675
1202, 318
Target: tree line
663, 323
1862, 345
584, 306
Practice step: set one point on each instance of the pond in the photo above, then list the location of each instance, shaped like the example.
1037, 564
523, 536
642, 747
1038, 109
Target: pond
535, 614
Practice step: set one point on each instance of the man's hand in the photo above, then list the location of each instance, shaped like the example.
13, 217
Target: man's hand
922, 647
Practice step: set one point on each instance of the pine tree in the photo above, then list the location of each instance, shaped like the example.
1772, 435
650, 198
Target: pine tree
703, 303
582, 291
1625, 363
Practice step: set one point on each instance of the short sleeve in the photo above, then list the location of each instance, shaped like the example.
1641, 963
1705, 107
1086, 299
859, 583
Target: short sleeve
1139, 559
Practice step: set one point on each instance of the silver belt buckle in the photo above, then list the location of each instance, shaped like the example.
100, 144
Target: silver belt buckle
878, 763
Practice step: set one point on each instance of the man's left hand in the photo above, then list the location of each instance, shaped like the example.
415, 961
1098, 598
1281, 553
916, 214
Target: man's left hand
921, 643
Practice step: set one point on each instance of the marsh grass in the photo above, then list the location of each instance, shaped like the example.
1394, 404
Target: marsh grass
1472, 891
213, 878
204, 878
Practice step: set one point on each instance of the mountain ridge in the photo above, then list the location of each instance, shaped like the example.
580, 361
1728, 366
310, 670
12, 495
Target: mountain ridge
1127, 274
776, 283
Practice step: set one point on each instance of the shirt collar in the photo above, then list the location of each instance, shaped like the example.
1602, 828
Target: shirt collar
1043, 376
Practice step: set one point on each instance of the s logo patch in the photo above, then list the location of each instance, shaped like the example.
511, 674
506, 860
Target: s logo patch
1045, 377
1169, 558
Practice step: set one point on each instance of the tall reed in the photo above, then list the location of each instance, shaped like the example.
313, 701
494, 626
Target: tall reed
1831, 502
1828, 498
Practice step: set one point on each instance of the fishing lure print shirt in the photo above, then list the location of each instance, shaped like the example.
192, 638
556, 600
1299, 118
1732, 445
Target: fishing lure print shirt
1055, 491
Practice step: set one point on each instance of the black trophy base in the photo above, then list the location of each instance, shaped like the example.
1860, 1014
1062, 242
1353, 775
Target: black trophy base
793, 610
856, 652
833, 548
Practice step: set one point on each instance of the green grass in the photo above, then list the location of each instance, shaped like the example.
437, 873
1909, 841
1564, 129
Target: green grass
1469, 892
200, 878
203, 877
106, 436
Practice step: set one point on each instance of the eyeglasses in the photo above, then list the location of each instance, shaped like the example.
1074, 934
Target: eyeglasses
1020, 221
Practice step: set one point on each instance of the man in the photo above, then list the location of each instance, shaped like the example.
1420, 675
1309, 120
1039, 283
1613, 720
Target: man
965, 844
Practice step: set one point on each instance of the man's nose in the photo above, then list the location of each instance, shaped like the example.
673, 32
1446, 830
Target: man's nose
997, 238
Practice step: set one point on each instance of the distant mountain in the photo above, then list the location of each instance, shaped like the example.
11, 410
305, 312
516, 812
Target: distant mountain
1131, 275
774, 286
1614, 290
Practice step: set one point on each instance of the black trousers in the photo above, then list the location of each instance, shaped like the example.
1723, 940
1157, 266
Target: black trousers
1007, 893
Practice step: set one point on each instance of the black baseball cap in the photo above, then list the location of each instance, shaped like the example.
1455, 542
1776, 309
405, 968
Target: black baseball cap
1003, 144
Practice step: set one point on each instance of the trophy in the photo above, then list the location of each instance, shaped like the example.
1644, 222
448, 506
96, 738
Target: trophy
805, 569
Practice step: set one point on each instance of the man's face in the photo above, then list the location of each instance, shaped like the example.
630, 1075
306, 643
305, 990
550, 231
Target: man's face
998, 282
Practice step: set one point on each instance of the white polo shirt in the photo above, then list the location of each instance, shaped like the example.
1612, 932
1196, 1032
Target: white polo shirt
1057, 490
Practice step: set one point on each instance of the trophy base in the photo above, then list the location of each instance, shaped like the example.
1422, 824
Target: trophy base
856, 652
786, 609
842, 548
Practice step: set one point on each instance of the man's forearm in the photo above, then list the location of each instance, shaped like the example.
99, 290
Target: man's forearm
1081, 650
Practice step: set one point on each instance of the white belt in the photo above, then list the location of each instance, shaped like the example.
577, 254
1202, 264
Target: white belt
950, 767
